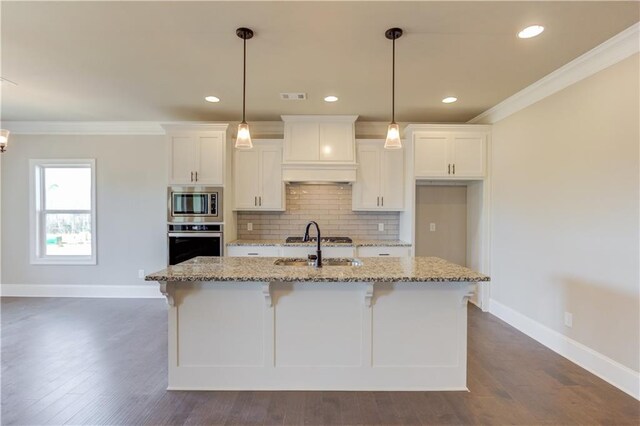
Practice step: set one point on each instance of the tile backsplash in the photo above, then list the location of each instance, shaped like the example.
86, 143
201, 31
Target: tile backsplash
329, 205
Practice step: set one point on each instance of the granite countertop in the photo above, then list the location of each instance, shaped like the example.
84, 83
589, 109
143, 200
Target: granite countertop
263, 269
356, 243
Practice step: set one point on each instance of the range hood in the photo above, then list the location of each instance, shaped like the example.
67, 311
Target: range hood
319, 148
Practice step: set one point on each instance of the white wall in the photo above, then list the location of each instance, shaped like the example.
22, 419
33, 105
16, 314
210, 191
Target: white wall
131, 173
565, 211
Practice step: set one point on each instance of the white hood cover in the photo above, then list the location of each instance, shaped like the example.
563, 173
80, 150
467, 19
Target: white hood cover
315, 173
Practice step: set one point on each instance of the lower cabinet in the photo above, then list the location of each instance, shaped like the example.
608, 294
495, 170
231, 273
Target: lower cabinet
326, 251
258, 251
383, 251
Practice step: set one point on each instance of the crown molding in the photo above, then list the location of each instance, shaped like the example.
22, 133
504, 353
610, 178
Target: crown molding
84, 127
612, 51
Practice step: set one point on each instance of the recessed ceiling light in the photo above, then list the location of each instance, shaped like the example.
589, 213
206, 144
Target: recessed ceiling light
532, 31
212, 99
449, 100
331, 98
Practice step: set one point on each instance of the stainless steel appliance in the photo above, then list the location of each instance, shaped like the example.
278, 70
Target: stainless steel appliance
194, 204
187, 241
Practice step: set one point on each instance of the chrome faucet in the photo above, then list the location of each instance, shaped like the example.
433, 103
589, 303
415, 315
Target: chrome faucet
317, 261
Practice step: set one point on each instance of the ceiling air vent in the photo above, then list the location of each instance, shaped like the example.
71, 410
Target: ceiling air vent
293, 96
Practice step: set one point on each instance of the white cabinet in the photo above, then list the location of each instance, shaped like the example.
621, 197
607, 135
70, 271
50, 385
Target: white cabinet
450, 154
383, 251
319, 139
258, 177
380, 178
196, 154
253, 251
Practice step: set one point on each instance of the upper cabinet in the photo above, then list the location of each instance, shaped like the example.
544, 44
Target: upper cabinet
380, 178
258, 177
196, 154
319, 139
319, 148
449, 152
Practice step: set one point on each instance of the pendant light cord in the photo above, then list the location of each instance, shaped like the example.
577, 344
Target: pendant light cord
244, 79
393, 83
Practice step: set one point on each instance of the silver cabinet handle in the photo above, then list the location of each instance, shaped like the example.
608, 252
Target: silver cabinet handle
383, 254
454, 169
196, 176
449, 169
191, 176
378, 203
255, 201
382, 198
252, 254
260, 201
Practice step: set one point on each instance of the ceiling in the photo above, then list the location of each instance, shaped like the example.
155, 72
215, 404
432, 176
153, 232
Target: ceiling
104, 61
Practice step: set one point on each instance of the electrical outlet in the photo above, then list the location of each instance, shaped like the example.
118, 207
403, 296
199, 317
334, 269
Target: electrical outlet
381, 227
432, 227
141, 273
249, 226
568, 319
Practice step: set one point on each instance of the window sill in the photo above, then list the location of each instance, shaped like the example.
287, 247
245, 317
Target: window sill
65, 262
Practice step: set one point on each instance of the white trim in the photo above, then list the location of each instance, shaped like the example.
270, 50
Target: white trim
318, 118
84, 127
594, 362
36, 217
146, 291
612, 51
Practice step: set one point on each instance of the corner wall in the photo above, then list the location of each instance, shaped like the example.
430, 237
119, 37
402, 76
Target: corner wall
131, 216
564, 214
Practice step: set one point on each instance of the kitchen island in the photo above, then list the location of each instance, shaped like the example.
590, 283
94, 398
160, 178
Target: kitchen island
378, 324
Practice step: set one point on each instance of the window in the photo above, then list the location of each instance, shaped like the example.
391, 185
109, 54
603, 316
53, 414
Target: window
63, 212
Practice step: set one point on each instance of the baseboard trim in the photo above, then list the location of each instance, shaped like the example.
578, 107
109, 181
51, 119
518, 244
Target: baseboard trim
147, 291
620, 376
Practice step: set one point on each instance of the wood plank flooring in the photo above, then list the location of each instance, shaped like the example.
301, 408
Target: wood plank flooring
103, 362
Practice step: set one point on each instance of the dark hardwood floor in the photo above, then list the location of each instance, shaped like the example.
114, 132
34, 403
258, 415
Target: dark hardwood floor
103, 361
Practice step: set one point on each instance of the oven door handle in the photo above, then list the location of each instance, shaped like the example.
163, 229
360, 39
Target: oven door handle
195, 234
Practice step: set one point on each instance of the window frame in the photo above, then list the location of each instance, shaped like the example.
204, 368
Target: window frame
37, 213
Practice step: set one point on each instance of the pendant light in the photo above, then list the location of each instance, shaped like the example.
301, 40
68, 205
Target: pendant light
243, 139
4, 139
393, 133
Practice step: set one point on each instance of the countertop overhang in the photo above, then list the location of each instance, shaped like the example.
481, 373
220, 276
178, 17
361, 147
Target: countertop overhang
263, 269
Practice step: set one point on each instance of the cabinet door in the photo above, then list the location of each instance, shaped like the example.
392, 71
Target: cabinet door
366, 189
392, 179
336, 142
302, 141
247, 178
183, 152
210, 160
468, 155
271, 185
432, 155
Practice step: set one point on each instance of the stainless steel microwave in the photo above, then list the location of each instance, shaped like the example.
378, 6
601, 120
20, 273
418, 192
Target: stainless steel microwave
194, 204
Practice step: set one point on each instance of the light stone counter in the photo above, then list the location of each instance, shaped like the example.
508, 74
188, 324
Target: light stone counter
282, 243
263, 269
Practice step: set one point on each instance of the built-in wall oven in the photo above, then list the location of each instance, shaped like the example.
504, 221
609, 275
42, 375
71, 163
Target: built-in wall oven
194, 222
194, 204
187, 241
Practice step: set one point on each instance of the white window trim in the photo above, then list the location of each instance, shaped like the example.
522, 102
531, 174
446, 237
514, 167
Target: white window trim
35, 239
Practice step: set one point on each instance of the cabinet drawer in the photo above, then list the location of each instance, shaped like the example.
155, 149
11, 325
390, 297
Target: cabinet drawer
383, 251
257, 251
326, 251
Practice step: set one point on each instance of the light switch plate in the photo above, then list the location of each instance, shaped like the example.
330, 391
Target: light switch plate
140, 273
432, 227
249, 226
568, 319
381, 227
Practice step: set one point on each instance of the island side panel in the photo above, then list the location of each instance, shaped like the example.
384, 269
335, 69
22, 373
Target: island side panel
318, 336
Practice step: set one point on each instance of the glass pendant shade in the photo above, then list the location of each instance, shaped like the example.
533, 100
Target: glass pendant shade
4, 139
393, 137
243, 140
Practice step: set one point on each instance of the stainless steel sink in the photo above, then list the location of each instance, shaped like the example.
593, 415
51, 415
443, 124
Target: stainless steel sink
325, 262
